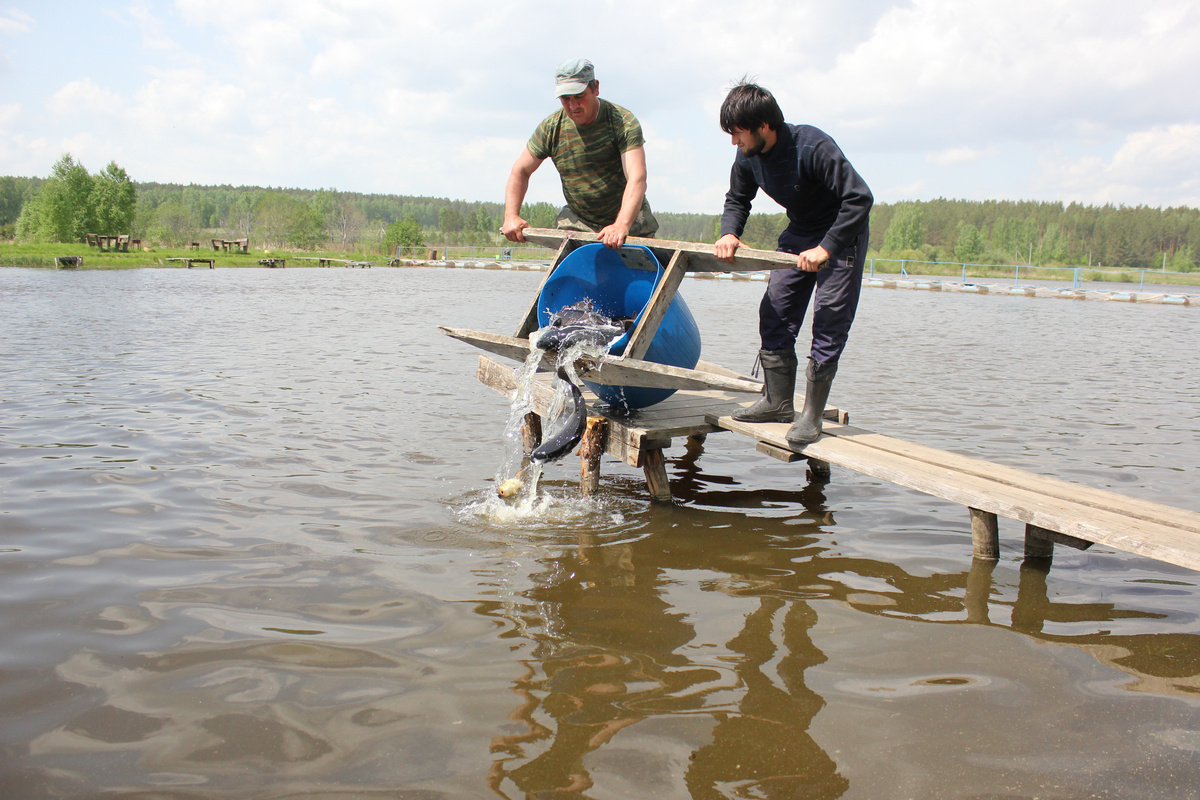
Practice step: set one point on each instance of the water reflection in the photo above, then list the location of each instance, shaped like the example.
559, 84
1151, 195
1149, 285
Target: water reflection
637, 675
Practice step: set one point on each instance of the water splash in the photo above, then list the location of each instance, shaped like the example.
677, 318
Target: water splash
577, 334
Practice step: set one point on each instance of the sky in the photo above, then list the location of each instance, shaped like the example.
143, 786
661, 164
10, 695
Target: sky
1092, 101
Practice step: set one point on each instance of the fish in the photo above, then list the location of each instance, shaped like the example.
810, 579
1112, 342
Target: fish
509, 488
561, 338
570, 430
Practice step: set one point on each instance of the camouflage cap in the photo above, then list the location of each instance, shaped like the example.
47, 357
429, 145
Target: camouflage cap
573, 76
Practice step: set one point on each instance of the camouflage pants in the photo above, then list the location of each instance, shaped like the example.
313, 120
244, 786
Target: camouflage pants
644, 224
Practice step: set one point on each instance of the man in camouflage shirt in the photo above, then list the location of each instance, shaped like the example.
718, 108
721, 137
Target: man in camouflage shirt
598, 150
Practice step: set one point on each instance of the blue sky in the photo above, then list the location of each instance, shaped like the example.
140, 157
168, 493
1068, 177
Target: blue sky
1073, 100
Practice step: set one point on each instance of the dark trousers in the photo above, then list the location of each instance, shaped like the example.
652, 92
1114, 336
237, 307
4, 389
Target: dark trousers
837, 285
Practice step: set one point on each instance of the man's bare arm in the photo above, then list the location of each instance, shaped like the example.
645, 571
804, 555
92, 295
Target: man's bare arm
514, 195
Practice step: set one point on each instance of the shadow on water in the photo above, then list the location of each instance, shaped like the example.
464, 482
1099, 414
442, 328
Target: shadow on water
621, 637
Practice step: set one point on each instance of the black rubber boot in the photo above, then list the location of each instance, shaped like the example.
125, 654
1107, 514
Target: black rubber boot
779, 385
808, 423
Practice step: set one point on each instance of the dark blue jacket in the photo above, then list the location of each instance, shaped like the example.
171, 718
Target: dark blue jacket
827, 201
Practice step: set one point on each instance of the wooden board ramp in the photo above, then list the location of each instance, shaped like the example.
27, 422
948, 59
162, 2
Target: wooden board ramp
1053, 510
615, 370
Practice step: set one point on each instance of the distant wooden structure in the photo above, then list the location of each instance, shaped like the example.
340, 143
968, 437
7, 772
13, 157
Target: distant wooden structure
230, 245
323, 261
68, 262
121, 242
273, 263
1053, 511
196, 262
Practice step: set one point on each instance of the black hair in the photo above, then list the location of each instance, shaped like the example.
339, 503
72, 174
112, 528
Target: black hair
748, 106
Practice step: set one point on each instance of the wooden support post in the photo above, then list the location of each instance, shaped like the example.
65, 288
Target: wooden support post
1037, 545
656, 475
657, 305
591, 449
531, 432
1060, 538
819, 470
985, 535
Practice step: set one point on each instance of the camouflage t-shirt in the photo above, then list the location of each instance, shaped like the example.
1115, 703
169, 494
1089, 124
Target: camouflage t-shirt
588, 158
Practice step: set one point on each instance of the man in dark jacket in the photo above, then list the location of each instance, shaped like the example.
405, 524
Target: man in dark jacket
828, 205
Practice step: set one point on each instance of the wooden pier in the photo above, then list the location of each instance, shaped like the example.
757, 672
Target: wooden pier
1053, 510
196, 262
329, 262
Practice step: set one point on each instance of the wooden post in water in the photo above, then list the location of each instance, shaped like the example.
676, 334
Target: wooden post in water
1037, 545
985, 535
531, 432
656, 476
591, 448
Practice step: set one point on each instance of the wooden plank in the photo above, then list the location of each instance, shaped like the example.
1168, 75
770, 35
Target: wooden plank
1047, 485
1173, 544
529, 322
701, 257
608, 370
657, 306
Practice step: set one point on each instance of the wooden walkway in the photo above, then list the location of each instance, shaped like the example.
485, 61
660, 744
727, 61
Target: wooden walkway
1053, 510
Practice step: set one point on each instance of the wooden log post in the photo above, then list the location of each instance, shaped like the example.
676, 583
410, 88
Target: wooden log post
531, 432
656, 476
819, 470
985, 535
591, 450
1037, 545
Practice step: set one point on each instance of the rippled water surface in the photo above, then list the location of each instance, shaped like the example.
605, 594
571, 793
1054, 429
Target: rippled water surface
250, 547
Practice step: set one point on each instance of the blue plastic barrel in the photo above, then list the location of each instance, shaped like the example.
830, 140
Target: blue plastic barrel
620, 283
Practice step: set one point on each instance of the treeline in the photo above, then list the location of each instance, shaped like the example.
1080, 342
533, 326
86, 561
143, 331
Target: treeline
976, 232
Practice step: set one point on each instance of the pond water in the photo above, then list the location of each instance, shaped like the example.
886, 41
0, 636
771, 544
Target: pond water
250, 547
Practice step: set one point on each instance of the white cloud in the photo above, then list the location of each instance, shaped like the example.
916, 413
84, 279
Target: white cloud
956, 156
1038, 99
1160, 167
84, 97
14, 20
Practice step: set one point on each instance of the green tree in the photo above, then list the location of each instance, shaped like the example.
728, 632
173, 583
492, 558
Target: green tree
403, 234
969, 246
907, 229
174, 224
450, 220
113, 201
12, 198
283, 221
482, 221
61, 210
1183, 260
540, 215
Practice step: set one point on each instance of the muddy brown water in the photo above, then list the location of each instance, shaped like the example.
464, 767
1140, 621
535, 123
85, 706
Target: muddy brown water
249, 547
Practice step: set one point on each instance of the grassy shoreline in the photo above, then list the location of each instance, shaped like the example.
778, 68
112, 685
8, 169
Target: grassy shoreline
43, 255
